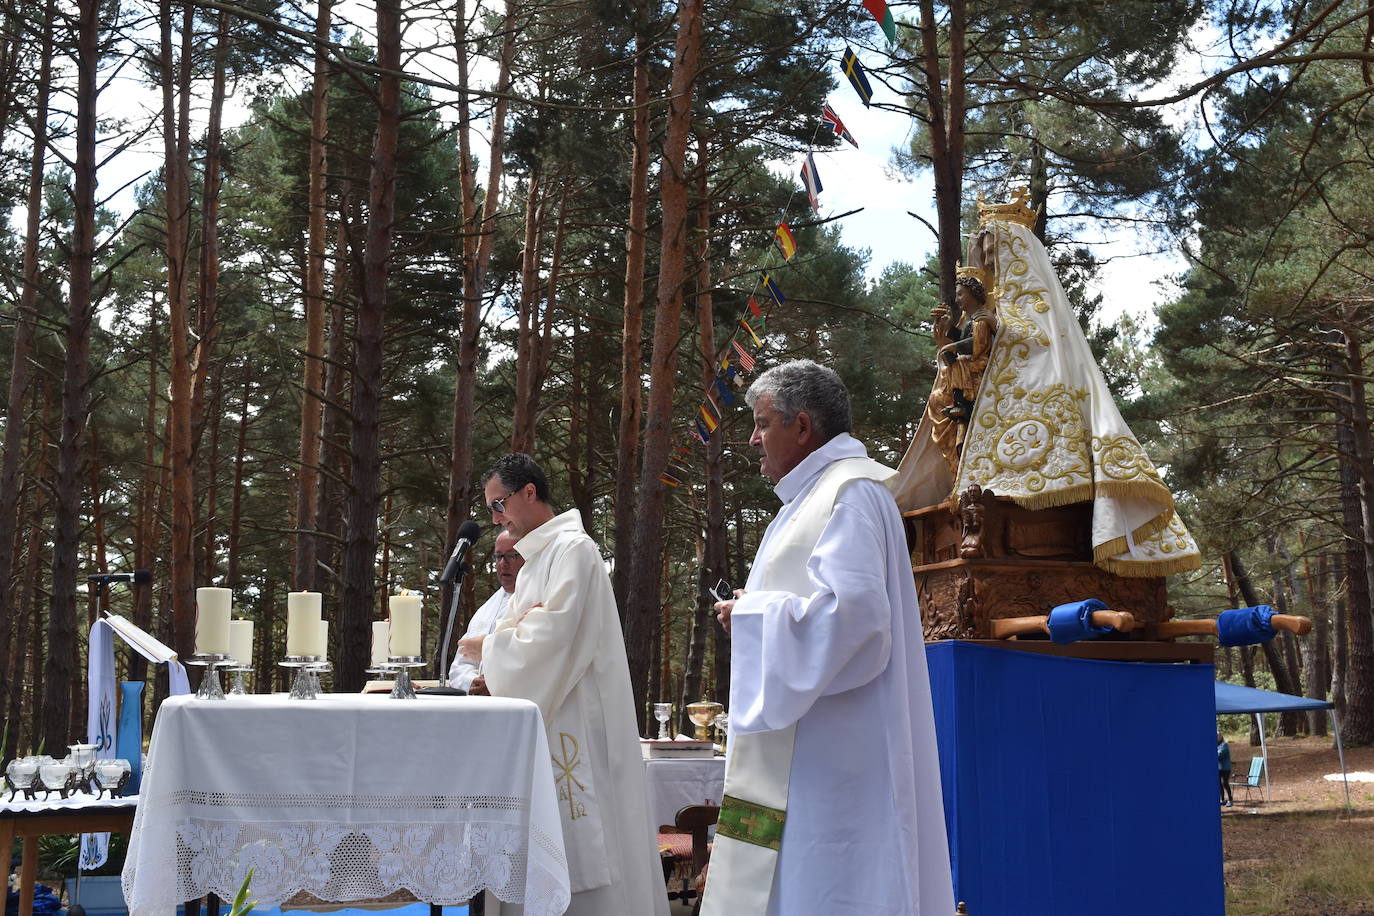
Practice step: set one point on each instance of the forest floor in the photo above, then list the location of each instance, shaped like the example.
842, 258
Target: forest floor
1299, 853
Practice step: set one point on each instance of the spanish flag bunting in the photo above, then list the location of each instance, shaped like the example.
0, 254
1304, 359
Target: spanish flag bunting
748, 327
669, 479
856, 76
786, 243
771, 287
707, 418
746, 362
884, 16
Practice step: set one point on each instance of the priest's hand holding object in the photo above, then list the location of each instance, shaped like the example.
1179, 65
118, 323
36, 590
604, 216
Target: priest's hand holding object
471, 648
725, 608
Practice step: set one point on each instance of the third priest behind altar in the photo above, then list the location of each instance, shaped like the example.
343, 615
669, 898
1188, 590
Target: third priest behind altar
833, 784
464, 673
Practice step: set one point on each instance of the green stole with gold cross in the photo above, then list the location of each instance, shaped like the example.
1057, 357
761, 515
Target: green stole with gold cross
749, 831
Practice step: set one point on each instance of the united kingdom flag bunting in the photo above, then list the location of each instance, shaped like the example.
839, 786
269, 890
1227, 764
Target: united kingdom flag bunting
832, 121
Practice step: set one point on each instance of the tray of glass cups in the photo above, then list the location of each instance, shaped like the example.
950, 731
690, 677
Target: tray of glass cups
77, 772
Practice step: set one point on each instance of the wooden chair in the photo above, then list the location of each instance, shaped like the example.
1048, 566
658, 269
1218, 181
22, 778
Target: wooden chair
686, 847
1251, 780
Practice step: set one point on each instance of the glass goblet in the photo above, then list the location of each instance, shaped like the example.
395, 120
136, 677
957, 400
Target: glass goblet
663, 712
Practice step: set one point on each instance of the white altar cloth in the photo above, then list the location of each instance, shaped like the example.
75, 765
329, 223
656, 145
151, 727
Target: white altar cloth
674, 783
348, 797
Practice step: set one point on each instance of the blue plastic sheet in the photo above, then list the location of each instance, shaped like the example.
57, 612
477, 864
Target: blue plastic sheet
1076, 787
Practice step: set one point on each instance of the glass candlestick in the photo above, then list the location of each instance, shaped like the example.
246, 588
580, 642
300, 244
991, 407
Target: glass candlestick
305, 686
210, 688
403, 689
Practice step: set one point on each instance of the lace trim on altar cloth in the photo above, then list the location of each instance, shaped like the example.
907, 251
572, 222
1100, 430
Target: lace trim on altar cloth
371, 802
447, 864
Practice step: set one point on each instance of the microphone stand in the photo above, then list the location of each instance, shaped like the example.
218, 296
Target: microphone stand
444, 690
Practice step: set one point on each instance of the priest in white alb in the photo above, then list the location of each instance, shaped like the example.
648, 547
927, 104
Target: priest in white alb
832, 789
560, 646
464, 673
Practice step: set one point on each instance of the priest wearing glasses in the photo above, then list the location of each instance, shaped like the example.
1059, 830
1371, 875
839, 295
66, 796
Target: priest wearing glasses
832, 790
560, 646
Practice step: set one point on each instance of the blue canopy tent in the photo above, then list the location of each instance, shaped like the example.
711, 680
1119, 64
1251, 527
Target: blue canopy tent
1233, 698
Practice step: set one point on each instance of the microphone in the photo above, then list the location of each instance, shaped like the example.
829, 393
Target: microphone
137, 577
468, 533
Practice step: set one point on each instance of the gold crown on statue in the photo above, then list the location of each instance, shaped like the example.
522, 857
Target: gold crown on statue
1016, 210
976, 273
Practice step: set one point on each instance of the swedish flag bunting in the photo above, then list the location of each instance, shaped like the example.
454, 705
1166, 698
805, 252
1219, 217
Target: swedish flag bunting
771, 287
856, 76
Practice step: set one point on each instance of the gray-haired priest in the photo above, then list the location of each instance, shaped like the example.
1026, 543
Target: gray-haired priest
832, 790
560, 646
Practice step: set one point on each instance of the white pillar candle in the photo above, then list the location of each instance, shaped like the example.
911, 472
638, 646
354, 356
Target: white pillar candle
405, 625
324, 639
303, 623
381, 639
241, 642
212, 620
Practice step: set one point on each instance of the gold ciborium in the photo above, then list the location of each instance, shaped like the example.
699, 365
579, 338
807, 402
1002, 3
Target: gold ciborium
703, 713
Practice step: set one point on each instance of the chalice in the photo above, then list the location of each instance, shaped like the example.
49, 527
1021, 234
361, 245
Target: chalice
703, 713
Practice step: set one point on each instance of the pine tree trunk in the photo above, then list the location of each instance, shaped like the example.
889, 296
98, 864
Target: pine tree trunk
641, 616
360, 548
713, 541
231, 577
1357, 497
1317, 674
180, 443
12, 483
945, 123
632, 331
522, 423
303, 572
1340, 649
60, 668
479, 236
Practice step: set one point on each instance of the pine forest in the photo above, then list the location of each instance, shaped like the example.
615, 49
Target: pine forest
378, 246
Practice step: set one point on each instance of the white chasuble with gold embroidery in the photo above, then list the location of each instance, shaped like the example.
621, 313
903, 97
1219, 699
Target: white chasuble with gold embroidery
826, 650
560, 646
1045, 429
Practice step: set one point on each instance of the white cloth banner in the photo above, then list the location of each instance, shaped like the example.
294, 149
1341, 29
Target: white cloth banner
101, 702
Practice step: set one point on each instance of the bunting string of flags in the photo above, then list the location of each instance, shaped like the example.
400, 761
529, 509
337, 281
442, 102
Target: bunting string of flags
737, 360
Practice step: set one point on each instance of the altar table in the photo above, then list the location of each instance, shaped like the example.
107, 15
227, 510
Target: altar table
673, 783
347, 797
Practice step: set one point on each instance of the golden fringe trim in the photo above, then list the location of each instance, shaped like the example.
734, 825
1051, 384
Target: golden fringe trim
1139, 569
1050, 499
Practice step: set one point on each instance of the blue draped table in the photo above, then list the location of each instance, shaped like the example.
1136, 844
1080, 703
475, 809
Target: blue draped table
1078, 787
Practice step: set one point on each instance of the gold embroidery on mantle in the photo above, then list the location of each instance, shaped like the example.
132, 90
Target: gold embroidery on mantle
1036, 447
565, 776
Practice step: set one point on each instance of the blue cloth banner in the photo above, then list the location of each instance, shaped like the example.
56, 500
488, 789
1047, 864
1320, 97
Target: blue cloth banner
1072, 622
1062, 775
1246, 626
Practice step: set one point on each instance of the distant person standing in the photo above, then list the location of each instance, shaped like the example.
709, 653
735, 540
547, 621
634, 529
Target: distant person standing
1224, 769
